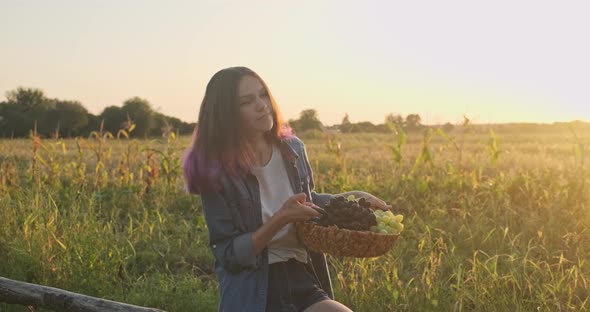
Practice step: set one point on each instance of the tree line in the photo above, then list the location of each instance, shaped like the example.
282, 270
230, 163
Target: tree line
309, 121
26, 109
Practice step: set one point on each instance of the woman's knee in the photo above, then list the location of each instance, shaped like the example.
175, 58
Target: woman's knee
328, 306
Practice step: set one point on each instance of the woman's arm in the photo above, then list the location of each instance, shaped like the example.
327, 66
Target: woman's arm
295, 209
264, 234
236, 250
230, 246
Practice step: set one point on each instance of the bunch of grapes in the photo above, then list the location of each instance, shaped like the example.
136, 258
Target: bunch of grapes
388, 223
348, 213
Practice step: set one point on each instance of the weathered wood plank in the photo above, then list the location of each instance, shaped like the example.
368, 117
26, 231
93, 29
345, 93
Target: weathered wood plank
15, 292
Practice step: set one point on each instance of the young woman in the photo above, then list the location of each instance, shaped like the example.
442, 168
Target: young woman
255, 181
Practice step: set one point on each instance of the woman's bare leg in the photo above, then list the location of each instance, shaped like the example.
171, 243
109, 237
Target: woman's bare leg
327, 306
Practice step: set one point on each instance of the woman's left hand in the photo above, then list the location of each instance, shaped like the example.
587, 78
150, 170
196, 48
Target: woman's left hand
374, 201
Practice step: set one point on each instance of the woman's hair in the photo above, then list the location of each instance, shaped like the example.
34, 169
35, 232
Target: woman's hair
218, 144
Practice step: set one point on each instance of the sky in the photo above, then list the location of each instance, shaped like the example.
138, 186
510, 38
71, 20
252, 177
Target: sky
493, 61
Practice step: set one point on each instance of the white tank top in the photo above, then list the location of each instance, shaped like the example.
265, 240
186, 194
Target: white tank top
275, 189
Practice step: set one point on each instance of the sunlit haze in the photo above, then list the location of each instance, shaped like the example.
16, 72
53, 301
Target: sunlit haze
494, 61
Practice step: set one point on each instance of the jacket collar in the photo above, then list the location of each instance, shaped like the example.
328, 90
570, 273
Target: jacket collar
287, 151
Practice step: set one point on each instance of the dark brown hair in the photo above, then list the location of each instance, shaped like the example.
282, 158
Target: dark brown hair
219, 146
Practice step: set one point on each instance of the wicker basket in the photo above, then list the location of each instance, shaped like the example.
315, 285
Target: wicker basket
343, 242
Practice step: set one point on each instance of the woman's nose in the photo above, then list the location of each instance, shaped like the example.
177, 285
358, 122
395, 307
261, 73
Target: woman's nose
260, 103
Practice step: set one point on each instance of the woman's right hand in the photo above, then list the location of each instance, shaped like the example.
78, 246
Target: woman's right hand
296, 209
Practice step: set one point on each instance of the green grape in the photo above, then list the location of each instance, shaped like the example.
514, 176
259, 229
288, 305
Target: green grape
387, 222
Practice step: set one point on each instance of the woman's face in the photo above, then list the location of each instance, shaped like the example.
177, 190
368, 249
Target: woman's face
255, 107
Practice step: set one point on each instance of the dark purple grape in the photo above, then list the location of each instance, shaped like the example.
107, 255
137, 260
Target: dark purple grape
347, 214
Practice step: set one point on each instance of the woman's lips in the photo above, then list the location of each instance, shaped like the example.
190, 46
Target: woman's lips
263, 116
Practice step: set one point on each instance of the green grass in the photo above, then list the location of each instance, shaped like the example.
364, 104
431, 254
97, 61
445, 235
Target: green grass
482, 232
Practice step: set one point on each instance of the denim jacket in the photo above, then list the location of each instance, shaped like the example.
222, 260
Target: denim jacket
234, 213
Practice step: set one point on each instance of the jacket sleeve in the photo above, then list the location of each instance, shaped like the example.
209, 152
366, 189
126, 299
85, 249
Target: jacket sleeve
320, 199
231, 247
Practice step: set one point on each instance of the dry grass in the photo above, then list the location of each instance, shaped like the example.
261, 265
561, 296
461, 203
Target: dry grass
491, 225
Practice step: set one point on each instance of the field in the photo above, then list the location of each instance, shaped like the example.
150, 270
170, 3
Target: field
494, 221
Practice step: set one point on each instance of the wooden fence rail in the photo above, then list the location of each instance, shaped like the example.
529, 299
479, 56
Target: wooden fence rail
15, 292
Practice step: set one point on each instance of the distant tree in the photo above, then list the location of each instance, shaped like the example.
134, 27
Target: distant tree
413, 121
14, 122
113, 118
382, 128
163, 125
180, 126
395, 119
294, 124
159, 124
308, 120
69, 117
92, 125
364, 126
187, 128
345, 126
448, 127
141, 113
29, 99
28, 107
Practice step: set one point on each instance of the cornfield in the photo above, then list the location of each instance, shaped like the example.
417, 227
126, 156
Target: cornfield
495, 220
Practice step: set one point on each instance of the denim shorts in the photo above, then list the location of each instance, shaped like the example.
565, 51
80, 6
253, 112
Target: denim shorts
291, 287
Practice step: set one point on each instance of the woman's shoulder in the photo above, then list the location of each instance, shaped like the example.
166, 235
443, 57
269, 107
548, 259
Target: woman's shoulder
293, 141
